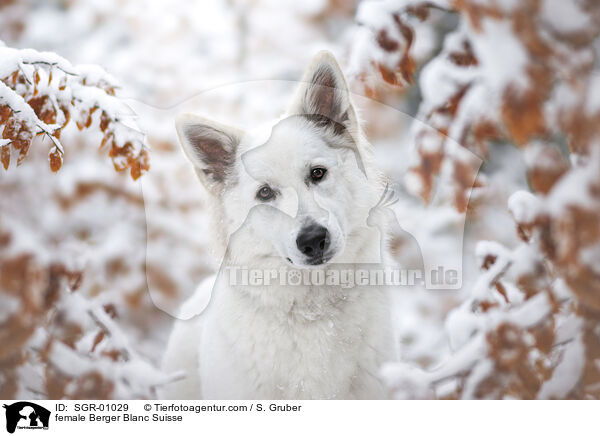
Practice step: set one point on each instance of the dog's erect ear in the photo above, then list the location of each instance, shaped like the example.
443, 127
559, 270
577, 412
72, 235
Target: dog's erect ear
324, 92
210, 147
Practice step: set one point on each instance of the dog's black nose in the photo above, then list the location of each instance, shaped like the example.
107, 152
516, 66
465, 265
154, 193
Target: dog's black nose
313, 241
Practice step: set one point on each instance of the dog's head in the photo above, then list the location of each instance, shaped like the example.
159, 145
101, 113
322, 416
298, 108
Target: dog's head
296, 190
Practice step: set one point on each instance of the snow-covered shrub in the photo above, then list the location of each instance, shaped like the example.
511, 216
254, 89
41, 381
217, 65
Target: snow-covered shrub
523, 73
60, 330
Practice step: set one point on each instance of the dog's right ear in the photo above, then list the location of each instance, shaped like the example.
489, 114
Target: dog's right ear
210, 146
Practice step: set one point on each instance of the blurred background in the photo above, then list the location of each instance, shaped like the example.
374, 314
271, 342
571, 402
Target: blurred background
484, 114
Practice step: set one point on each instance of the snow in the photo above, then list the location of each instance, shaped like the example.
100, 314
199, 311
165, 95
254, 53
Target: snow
413, 183
526, 262
503, 59
591, 257
571, 189
461, 325
140, 375
567, 373
481, 370
593, 95
9, 305
408, 382
565, 16
524, 206
530, 313
535, 156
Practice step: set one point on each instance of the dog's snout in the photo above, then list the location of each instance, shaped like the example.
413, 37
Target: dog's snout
313, 241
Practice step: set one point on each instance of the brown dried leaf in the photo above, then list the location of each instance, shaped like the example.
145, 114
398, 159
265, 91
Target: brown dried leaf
5, 156
56, 160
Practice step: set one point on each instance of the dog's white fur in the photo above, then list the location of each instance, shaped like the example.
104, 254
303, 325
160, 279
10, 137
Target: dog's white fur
286, 342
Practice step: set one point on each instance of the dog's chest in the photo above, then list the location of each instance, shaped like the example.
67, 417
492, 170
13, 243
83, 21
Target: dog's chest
325, 350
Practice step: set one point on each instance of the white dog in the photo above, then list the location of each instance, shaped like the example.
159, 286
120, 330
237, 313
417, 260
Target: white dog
295, 195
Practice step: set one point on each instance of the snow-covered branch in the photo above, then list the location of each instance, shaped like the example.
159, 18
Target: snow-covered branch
40, 92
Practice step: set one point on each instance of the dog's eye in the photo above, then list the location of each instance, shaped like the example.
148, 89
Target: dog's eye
317, 173
265, 193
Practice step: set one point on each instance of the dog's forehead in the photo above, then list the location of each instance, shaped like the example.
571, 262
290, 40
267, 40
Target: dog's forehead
286, 145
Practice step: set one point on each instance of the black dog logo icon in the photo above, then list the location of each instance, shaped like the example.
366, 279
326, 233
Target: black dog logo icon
26, 415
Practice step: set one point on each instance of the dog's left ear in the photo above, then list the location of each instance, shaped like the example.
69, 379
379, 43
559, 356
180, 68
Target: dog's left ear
324, 93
